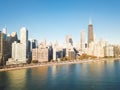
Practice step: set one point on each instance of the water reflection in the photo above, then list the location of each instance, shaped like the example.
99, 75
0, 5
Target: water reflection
13, 79
85, 76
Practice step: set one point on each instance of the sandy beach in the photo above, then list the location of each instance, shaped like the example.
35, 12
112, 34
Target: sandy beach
54, 63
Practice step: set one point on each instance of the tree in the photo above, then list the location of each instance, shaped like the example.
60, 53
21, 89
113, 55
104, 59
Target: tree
34, 61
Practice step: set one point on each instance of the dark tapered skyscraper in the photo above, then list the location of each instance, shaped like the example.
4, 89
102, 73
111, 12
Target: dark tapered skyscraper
90, 33
3, 49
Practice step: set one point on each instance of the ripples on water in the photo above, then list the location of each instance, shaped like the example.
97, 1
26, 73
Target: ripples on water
86, 76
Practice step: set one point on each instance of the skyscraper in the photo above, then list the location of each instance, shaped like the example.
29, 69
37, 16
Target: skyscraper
32, 43
82, 40
20, 49
3, 49
90, 33
24, 41
11, 38
69, 39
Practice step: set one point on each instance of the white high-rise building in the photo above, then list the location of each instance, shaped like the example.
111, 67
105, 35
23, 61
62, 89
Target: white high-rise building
82, 41
23, 35
24, 41
19, 49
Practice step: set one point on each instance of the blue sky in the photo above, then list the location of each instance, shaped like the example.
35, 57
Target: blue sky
54, 19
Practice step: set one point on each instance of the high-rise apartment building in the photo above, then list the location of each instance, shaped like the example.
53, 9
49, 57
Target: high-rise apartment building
24, 41
20, 49
42, 53
82, 41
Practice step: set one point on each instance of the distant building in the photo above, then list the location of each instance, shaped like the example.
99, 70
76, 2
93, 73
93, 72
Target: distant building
70, 53
24, 41
96, 48
69, 40
116, 51
109, 51
57, 51
3, 49
42, 53
90, 33
19, 49
32, 43
6, 43
82, 41
11, 38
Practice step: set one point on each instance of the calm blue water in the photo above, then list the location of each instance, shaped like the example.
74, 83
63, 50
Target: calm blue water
86, 76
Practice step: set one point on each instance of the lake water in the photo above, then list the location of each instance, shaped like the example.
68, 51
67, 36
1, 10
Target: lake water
85, 76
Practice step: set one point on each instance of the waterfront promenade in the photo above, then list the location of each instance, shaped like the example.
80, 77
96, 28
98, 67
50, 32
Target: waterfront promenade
55, 63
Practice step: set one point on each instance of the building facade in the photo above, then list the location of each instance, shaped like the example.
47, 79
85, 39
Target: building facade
24, 41
19, 49
42, 53
3, 48
96, 48
109, 51
90, 33
82, 41
57, 51
69, 39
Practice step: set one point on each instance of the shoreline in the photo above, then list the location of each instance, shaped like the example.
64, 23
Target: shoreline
57, 63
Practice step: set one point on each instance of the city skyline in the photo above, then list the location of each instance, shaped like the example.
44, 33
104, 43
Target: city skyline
54, 20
